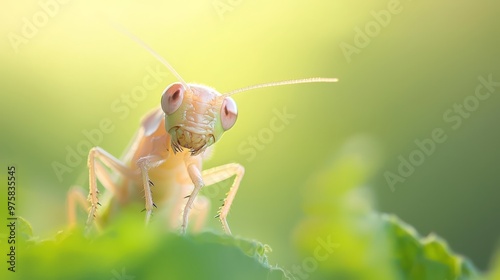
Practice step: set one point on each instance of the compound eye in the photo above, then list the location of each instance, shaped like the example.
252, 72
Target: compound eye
172, 98
229, 113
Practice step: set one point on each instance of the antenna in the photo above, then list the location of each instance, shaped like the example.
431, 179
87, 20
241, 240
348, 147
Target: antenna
282, 83
152, 52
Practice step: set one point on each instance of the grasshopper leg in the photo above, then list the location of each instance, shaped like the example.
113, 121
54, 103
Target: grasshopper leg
196, 178
221, 173
76, 197
210, 177
146, 163
98, 158
199, 214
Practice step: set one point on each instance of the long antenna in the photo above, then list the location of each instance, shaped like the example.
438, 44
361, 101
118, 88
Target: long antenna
151, 51
282, 83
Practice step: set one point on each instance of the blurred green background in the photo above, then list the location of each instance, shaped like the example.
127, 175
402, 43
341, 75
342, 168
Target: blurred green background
74, 68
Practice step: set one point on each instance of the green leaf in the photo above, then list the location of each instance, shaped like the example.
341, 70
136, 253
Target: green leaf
370, 245
129, 251
424, 258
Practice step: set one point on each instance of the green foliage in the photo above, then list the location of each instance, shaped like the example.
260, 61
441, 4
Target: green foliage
427, 258
495, 272
129, 251
370, 245
342, 236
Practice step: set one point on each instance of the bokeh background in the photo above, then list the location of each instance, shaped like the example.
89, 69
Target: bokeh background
74, 68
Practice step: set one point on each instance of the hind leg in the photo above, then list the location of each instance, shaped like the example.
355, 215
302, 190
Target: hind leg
76, 198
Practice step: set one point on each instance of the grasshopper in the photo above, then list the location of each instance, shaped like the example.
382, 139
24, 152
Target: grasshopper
166, 155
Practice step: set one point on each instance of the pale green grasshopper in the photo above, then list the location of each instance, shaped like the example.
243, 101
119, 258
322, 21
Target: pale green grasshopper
166, 155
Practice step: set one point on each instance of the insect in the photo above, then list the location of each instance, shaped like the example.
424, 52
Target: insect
166, 156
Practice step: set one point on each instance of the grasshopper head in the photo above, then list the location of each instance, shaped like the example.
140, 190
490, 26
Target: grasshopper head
197, 116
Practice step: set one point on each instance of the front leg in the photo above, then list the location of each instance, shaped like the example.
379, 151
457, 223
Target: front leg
212, 176
144, 164
219, 174
196, 178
